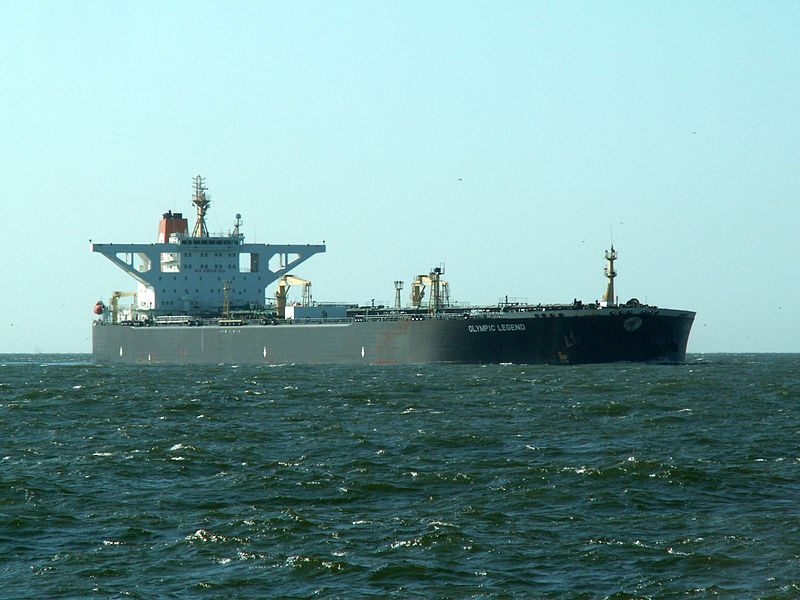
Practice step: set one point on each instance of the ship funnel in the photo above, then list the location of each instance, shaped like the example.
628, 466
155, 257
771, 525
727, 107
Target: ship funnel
171, 223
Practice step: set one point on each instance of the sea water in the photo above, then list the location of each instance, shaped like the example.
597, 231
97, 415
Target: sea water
446, 481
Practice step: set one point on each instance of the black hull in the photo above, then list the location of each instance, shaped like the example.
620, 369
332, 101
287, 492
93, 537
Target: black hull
641, 334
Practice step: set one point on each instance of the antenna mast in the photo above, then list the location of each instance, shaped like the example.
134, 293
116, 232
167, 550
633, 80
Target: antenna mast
202, 202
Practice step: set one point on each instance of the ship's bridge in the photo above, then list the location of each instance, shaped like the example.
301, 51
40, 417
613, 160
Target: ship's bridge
190, 276
190, 273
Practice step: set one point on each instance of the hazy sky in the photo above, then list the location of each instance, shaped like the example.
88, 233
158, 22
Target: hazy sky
506, 140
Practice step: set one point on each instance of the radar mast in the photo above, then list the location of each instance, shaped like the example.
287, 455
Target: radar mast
202, 202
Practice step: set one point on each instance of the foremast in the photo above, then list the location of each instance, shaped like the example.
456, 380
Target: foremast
609, 298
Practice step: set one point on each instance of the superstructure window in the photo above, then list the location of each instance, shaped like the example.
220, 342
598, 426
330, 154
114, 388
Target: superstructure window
170, 262
248, 262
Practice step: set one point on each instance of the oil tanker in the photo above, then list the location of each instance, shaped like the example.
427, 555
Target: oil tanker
201, 299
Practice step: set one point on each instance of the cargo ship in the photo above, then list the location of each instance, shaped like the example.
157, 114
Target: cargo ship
202, 299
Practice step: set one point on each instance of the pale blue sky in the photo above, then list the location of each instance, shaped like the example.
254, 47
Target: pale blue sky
501, 138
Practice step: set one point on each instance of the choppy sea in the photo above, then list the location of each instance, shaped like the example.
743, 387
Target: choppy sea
603, 481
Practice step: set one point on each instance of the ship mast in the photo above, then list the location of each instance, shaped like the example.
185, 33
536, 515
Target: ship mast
226, 299
201, 201
436, 296
398, 287
609, 296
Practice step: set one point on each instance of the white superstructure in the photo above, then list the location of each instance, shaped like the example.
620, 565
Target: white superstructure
185, 273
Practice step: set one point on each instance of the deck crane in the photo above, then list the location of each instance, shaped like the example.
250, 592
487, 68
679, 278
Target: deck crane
440, 290
115, 296
284, 283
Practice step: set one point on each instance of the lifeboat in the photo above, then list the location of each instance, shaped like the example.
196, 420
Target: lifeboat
99, 308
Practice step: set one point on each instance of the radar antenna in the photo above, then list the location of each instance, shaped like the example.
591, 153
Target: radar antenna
202, 202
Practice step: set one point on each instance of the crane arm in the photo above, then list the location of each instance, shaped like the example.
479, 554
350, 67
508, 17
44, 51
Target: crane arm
292, 280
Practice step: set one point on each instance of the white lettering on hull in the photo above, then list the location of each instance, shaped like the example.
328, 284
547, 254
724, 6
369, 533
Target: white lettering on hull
496, 328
